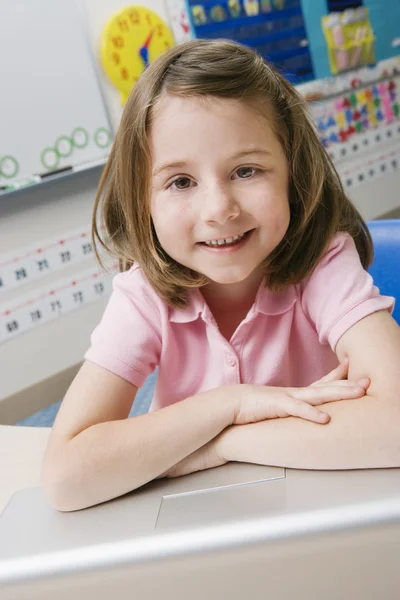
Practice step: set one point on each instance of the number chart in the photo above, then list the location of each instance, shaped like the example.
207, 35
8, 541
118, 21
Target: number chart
52, 255
54, 301
55, 298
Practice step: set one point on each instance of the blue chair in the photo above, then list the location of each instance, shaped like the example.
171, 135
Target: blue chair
385, 269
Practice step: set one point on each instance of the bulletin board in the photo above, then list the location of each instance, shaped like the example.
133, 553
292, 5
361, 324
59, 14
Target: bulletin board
52, 113
275, 28
385, 21
286, 32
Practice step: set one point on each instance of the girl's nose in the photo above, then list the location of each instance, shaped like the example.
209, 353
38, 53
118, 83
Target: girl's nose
219, 205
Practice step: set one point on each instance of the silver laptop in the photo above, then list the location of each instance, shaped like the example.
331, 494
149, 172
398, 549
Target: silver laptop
233, 532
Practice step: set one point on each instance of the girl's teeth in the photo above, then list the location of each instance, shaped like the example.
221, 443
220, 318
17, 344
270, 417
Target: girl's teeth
225, 241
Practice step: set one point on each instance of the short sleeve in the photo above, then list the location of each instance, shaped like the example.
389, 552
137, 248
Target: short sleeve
127, 340
340, 292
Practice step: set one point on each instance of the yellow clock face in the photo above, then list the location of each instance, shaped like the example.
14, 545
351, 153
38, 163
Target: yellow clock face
132, 39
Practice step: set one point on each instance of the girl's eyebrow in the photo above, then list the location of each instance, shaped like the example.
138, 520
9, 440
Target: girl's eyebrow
251, 151
173, 165
180, 164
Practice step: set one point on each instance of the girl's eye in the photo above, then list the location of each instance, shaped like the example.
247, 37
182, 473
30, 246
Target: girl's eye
245, 172
183, 183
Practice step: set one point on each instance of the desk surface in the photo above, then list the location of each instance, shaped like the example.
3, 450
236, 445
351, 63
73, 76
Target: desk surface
21, 454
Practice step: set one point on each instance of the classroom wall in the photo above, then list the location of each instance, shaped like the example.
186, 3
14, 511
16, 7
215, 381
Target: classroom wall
31, 215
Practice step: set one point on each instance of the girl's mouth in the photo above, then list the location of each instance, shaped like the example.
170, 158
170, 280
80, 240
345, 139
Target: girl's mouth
227, 243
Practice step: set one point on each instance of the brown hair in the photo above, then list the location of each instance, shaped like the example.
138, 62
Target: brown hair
319, 206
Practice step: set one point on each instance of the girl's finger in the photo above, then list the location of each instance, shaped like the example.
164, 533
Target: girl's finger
340, 372
303, 410
364, 382
332, 393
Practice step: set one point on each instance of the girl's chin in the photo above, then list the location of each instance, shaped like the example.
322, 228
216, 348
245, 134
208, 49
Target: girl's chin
227, 278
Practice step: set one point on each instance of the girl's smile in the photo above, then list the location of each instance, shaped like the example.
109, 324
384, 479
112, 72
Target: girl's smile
228, 244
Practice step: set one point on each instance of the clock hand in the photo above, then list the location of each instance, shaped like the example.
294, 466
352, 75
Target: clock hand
144, 50
147, 42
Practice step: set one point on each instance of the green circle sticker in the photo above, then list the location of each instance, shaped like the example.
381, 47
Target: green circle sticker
64, 146
80, 137
50, 158
102, 137
8, 167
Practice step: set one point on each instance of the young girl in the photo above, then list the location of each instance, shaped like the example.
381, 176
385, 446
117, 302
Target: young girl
244, 282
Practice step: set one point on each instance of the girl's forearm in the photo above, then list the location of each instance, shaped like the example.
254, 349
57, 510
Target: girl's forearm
204, 458
361, 434
113, 458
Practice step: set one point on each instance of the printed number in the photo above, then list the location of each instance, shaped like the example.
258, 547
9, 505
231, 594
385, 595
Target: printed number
159, 30
123, 25
36, 315
87, 248
65, 256
98, 288
167, 44
55, 305
124, 73
116, 58
42, 264
12, 326
148, 19
118, 41
78, 297
21, 274
134, 17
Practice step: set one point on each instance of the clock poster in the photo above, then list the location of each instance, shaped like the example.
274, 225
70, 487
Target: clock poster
132, 39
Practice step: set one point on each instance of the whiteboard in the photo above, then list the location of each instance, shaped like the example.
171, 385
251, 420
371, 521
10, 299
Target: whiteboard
52, 114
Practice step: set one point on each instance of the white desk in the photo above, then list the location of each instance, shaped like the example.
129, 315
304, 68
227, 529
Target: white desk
21, 454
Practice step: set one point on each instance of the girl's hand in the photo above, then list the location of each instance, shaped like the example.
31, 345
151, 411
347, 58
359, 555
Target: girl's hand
257, 403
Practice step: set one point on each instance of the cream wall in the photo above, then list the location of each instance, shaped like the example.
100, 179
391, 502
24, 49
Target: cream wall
29, 216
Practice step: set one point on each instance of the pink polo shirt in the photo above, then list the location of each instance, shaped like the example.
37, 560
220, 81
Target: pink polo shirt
286, 339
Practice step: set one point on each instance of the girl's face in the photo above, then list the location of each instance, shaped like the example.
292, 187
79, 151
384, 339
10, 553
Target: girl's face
219, 198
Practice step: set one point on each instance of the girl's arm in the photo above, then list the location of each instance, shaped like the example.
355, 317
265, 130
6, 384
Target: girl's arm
208, 457
96, 453
363, 433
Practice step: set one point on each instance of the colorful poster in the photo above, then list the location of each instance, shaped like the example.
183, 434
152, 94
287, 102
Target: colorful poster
275, 28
